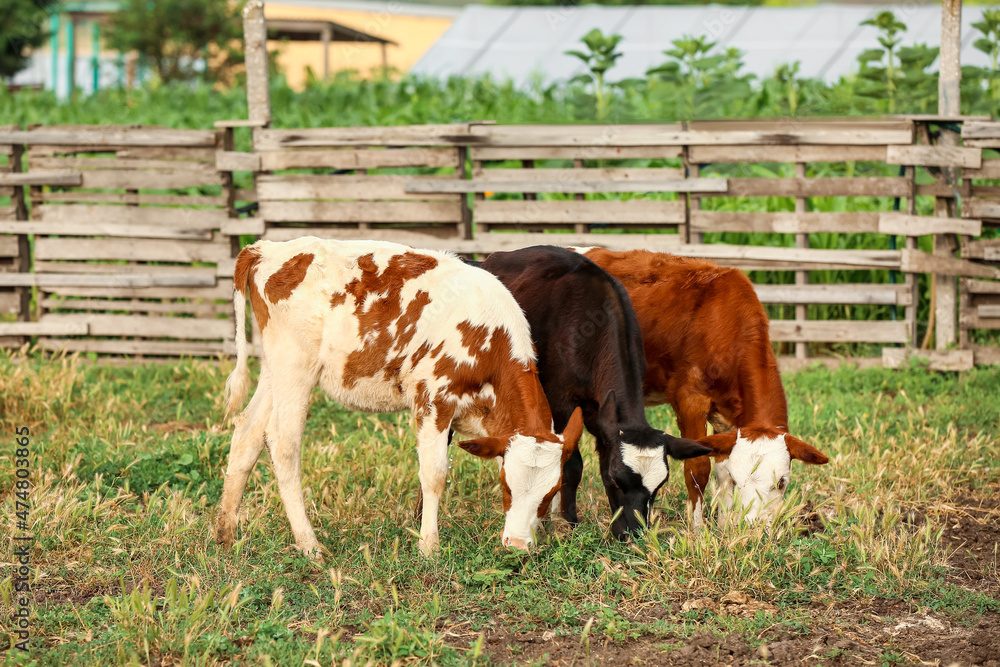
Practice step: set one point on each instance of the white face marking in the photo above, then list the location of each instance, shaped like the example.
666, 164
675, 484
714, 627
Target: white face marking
648, 463
752, 476
532, 468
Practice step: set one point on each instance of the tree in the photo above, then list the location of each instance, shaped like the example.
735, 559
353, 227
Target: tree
22, 27
182, 40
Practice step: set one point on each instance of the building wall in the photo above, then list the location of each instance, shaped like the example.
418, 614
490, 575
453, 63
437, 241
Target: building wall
413, 33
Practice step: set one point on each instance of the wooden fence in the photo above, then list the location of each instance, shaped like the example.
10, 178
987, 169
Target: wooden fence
129, 259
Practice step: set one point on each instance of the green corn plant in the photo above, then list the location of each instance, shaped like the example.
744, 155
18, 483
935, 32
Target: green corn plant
989, 44
600, 57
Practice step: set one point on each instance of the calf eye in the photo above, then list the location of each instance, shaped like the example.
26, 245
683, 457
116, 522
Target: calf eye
782, 483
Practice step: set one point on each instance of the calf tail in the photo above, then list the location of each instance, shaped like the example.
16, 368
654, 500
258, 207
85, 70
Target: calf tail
238, 383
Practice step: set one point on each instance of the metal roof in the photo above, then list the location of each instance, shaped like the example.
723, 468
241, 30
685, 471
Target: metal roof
521, 43
297, 30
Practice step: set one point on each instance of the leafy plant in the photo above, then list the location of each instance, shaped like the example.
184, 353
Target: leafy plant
699, 78
600, 56
885, 72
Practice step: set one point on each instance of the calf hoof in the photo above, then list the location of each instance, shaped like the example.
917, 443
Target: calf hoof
429, 546
225, 532
311, 551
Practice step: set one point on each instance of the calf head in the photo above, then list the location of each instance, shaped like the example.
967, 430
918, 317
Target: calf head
530, 475
633, 478
755, 474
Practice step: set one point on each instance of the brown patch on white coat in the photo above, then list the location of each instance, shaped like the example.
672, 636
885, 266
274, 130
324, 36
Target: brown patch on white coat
382, 327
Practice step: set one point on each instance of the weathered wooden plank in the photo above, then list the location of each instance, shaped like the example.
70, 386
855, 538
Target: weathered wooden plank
144, 347
418, 237
44, 329
709, 154
425, 185
62, 178
920, 225
136, 306
223, 290
986, 355
839, 331
131, 249
635, 211
974, 286
838, 293
797, 258
937, 156
205, 154
10, 302
859, 186
611, 152
97, 136
6, 190
591, 174
938, 360
398, 135
972, 320
76, 163
989, 169
981, 208
305, 186
988, 310
981, 143
309, 211
240, 226
814, 123
785, 222
102, 281
133, 198
915, 261
360, 158
147, 179
146, 326
235, 161
177, 218
44, 266
8, 246
978, 130
660, 135
103, 229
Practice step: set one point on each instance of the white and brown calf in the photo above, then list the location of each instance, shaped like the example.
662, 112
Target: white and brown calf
383, 327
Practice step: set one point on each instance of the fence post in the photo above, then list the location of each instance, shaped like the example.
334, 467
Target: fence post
948, 105
255, 47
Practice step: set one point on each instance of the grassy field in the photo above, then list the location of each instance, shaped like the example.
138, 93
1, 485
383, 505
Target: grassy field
887, 555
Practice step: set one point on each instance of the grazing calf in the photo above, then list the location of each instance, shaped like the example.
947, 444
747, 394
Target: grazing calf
590, 355
382, 327
709, 356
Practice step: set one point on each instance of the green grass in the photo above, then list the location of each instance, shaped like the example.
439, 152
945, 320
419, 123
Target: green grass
129, 461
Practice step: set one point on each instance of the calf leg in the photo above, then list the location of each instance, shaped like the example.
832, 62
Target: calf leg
572, 474
248, 441
288, 419
692, 416
432, 451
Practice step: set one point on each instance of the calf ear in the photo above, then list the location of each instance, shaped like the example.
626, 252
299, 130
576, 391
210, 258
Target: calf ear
804, 451
571, 434
485, 448
720, 443
682, 448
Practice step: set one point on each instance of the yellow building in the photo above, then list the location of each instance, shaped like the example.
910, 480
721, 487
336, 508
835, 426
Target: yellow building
411, 28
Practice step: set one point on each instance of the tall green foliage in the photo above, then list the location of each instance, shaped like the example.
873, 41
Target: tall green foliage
22, 27
600, 56
181, 40
896, 74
